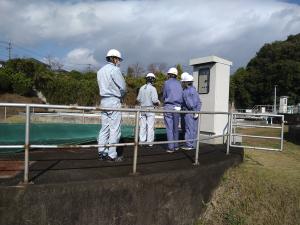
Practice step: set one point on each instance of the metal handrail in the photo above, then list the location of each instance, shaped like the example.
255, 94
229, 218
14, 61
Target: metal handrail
234, 124
256, 126
136, 142
231, 125
108, 109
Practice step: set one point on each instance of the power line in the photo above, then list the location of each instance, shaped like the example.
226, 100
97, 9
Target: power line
30, 51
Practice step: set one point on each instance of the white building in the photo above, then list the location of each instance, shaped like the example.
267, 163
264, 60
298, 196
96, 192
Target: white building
283, 106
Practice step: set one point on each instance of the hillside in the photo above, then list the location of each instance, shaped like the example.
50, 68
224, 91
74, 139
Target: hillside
278, 64
263, 190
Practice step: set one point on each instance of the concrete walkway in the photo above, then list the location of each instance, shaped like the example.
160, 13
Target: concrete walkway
68, 165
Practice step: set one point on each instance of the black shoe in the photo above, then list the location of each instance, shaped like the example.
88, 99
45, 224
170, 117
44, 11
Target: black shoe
117, 159
170, 151
102, 157
149, 146
186, 148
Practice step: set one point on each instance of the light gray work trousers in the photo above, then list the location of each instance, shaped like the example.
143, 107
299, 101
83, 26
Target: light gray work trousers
147, 121
110, 131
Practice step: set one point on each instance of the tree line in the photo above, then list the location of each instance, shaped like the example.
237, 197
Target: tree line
27, 76
277, 63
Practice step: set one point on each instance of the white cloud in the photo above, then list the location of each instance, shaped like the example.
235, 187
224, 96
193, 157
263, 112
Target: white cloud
81, 56
151, 31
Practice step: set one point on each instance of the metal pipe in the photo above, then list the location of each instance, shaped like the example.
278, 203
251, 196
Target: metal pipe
106, 109
254, 136
136, 141
282, 130
27, 136
275, 107
83, 119
11, 146
251, 147
81, 146
256, 126
229, 133
198, 142
5, 113
166, 142
257, 114
109, 145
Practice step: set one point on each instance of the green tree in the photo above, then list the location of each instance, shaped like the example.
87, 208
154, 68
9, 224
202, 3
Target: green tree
5, 81
239, 89
21, 84
277, 63
180, 71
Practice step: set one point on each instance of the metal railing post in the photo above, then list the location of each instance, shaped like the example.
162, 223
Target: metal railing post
27, 146
5, 113
282, 130
83, 118
229, 133
136, 141
228, 127
198, 141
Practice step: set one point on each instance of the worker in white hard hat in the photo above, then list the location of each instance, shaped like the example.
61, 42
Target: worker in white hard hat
191, 102
172, 97
148, 99
112, 88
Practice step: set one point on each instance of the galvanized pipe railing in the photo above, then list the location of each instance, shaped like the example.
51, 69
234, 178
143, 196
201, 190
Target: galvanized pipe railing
136, 143
235, 125
27, 133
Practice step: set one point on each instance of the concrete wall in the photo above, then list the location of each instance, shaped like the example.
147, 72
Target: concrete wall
162, 199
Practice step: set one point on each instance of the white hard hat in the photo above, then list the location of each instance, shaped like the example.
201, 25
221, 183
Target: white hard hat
114, 53
185, 77
173, 70
150, 75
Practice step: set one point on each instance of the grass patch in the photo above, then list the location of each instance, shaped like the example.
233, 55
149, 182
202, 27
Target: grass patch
265, 189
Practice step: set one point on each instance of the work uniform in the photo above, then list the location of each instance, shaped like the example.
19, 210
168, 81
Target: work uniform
147, 97
191, 102
112, 88
172, 96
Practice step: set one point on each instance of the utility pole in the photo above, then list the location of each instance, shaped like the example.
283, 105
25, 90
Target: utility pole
275, 107
9, 48
89, 67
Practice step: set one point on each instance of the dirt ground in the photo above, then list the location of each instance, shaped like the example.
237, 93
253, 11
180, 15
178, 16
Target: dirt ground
13, 98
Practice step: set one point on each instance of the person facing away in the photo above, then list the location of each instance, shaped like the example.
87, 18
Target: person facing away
172, 97
148, 98
112, 89
191, 102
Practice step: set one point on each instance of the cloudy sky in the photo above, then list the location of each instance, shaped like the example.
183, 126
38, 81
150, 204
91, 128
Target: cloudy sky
146, 31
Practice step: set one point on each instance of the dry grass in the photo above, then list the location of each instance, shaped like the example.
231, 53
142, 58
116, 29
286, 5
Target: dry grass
265, 189
15, 111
